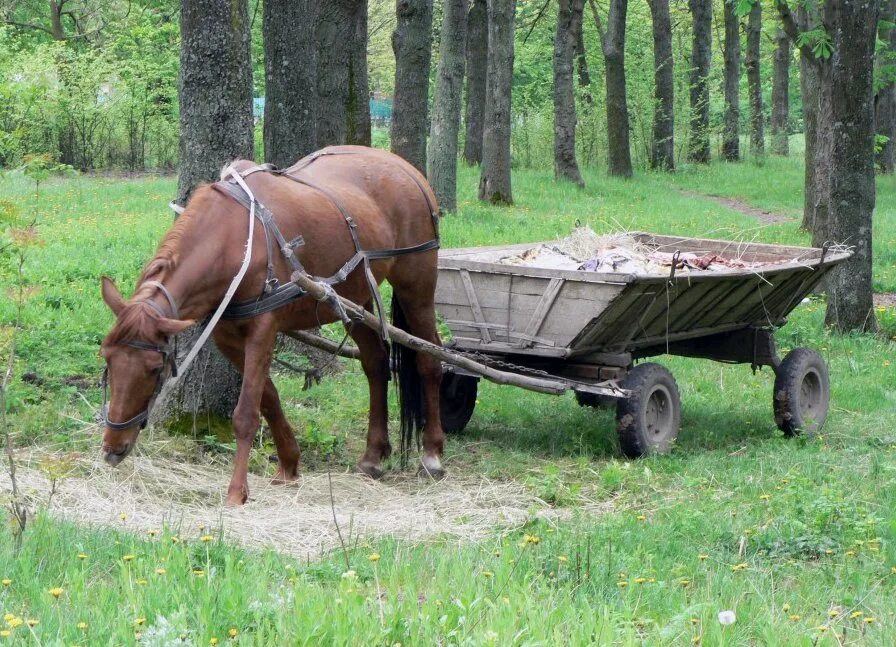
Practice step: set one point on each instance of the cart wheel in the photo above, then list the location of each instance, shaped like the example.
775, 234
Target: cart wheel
594, 400
457, 401
648, 420
802, 392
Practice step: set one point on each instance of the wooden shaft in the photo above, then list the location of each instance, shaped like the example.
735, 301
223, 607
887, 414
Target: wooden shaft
320, 292
347, 350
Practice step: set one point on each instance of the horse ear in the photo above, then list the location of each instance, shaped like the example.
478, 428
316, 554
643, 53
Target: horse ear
112, 296
174, 326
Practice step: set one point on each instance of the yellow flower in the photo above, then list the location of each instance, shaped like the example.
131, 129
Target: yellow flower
82, 626
531, 539
856, 614
622, 584
128, 558
8, 616
786, 607
374, 557
82, 556
869, 620
141, 582
695, 621
640, 580
795, 617
562, 558
32, 622
765, 497
14, 622
739, 567
123, 516
642, 517
139, 621
833, 613
702, 557
174, 539
56, 592
213, 641
696, 639
152, 532
206, 538
232, 632
850, 553
822, 628
5, 633
487, 574
892, 570
198, 572
6, 581
684, 583
828, 551
160, 571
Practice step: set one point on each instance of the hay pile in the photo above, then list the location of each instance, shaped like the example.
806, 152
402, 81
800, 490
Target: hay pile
585, 250
151, 492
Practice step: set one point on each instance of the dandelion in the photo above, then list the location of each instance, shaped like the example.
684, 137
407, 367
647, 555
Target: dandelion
206, 538
56, 592
684, 583
123, 516
198, 572
374, 557
786, 607
175, 539
739, 567
850, 553
213, 641
833, 613
696, 639
622, 584
5, 633
139, 621
82, 556
640, 580
765, 497
531, 539
233, 632
562, 559
702, 557
822, 628
642, 517
828, 551
487, 574
695, 621
795, 617
141, 582
6, 581
855, 614
32, 622
82, 626
14, 622
727, 617
869, 620
160, 571
128, 558
152, 532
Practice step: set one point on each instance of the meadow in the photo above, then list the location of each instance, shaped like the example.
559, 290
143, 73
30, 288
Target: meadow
796, 536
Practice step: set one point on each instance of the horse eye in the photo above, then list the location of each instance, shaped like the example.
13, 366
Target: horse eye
156, 371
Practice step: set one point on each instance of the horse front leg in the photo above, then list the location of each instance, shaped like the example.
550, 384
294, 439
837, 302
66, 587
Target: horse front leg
255, 363
375, 362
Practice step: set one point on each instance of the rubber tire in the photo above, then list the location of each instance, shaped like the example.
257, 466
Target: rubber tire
651, 385
802, 392
594, 400
457, 400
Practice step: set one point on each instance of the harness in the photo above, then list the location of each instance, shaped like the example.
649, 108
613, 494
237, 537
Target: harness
274, 294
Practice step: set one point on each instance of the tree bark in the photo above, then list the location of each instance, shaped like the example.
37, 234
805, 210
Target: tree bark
754, 82
662, 152
781, 94
494, 179
701, 55
731, 128
412, 44
477, 57
885, 101
343, 96
290, 64
854, 30
584, 74
446, 105
569, 30
215, 90
613, 46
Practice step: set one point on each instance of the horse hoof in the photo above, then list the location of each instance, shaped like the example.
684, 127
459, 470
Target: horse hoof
285, 478
236, 499
434, 473
371, 470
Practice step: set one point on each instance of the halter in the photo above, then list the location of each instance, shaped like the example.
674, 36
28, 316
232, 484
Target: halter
169, 355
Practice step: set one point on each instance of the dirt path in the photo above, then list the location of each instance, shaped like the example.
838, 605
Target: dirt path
766, 217
885, 299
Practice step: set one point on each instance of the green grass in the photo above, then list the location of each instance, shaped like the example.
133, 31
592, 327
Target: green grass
812, 519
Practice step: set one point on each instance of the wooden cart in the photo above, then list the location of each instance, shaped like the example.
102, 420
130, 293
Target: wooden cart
584, 331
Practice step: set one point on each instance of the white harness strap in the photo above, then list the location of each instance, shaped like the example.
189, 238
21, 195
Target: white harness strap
228, 296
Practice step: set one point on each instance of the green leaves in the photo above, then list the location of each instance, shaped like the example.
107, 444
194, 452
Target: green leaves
818, 40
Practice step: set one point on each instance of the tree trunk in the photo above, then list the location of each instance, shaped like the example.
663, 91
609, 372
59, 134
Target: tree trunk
613, 45
850, 305
343, 97
584, 74
662, 153
446, 105
477, 57
215, 91
731, 129
781, 94
885, 102
701, 55
569, 30
290, 65
412, 44
494, 179
754, 82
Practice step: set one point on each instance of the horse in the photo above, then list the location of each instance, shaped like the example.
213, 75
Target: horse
329, 205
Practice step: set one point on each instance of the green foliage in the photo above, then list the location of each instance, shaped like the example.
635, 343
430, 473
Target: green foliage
818, 40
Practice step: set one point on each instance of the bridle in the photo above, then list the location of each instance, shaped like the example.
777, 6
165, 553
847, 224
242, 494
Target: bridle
169, 360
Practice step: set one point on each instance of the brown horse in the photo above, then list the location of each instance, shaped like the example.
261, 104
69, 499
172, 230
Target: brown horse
390, 206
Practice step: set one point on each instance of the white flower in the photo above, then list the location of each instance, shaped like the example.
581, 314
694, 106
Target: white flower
349, 575
727, 617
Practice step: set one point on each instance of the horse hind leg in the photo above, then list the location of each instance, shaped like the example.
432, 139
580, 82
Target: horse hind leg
375, 362
415, 312
288, 452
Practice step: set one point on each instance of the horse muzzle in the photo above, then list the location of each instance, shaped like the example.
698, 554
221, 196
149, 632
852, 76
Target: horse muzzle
113, 454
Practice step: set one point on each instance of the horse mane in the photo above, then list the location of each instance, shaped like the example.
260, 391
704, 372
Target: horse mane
136, 320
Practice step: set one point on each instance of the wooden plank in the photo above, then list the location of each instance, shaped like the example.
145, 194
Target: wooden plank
474, 305
542, 309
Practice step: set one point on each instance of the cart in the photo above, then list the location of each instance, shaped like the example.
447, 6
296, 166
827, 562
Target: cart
586, 331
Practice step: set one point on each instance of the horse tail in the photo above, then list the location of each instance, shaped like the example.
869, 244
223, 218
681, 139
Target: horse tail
411, 404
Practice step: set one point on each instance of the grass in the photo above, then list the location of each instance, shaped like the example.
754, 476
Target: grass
796, 536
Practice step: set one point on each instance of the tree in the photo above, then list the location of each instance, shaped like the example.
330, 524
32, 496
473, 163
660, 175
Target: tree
442, 172
412, 44
343, 105
569, 32
290, 64
64, 20
613, 45
781, 94
731, 130
215, 92
701, 55
477, 57
854, 31
662, 151
885, 99
754, 82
